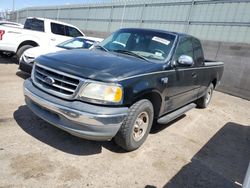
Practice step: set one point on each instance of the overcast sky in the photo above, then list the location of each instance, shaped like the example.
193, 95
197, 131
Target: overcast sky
7, 4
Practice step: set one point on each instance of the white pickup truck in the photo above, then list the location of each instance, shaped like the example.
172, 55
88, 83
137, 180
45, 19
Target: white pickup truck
36, 32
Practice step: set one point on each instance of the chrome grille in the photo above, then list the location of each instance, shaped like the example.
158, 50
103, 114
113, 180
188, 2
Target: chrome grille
56, 82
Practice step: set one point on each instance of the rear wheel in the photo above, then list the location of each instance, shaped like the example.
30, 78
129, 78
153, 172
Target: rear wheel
204, 101
22, 49
136, 126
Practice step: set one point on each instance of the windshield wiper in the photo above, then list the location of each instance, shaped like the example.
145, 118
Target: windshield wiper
102, 48
131, 53
63, 47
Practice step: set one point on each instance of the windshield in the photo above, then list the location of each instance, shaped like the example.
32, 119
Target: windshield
76, 43
145, 43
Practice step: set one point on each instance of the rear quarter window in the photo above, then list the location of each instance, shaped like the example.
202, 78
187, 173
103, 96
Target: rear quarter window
34, 24
198, 52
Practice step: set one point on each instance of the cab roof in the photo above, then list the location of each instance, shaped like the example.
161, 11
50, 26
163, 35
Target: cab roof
180, 34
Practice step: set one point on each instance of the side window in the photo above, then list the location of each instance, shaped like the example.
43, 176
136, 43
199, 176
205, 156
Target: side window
34, 24
198, 53
57, 29
184, 47
72, 32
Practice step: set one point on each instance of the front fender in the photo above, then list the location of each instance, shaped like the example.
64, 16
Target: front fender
137, 88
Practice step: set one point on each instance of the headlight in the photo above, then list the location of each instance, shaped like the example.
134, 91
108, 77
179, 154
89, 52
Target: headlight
102, 92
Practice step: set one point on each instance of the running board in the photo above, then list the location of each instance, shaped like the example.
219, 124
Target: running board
175, 114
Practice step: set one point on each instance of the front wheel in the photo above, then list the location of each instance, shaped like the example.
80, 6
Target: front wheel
136, 126
204, 101
22, 49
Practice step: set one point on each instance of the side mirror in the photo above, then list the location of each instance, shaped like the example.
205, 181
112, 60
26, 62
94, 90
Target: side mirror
96, 43
185, 60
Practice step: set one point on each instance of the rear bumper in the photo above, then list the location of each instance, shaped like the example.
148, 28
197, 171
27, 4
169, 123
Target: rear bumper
78, 118
6, 47
25, 67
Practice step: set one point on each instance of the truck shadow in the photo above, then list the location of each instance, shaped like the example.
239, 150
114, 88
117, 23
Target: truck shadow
61, 140
221, 162
7, 60
22, 75
57, 138
156, 127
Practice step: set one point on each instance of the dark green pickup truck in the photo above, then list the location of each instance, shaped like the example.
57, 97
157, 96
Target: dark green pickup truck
117, 89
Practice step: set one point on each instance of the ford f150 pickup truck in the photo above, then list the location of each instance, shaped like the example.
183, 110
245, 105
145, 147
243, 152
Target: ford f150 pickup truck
117, 89
35, 32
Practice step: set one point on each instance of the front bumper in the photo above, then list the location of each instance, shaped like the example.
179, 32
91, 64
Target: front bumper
78, 118
25, 67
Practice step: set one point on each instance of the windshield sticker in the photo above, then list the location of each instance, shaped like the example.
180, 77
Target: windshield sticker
161, 40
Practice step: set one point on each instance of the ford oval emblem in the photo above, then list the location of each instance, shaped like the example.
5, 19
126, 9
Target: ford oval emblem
49, 80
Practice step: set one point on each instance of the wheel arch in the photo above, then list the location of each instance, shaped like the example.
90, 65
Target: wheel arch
27, 42
214, 82
154, 97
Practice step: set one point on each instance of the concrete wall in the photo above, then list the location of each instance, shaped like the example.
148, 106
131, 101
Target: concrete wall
236, 56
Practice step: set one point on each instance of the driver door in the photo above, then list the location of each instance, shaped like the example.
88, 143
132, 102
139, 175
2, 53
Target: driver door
183, 81
58, 34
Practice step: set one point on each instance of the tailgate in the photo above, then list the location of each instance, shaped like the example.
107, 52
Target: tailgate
7, 38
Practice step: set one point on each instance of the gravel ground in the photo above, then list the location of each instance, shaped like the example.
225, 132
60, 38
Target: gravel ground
203, 148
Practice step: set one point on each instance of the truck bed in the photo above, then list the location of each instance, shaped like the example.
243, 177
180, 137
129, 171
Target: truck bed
213, 63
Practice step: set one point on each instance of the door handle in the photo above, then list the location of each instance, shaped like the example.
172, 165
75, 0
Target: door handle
53, 39
164, 80
194, 75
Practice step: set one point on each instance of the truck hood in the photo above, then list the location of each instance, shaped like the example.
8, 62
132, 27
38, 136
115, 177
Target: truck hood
37, 51
97, 64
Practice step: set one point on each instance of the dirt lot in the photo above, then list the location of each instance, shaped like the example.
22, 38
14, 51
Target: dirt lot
204, 148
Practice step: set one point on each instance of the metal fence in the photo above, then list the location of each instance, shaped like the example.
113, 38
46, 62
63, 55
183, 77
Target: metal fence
4, 15
216, 20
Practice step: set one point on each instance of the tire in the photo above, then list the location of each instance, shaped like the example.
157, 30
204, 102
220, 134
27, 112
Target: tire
22, 49
204, 101
136, 126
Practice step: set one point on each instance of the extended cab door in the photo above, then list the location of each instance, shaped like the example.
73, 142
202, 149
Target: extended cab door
202, 72
183, 83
